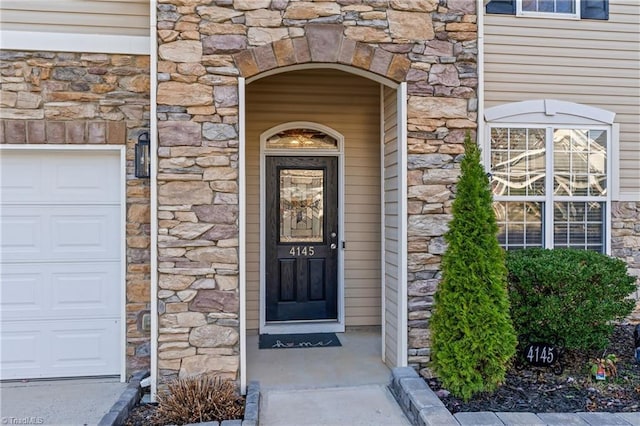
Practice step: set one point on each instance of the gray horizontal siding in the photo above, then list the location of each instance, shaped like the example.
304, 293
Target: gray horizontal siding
591, 62
106, 17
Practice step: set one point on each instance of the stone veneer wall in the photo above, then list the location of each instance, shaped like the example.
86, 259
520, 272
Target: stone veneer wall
625, 242
77, 98
204, 46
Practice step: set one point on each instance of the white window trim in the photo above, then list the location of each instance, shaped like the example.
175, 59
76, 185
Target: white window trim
242, 242
74, 42
403, 228
552, 114
548, 199
548, 15
514, 112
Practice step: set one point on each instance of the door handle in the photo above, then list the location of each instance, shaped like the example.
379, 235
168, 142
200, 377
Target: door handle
333, 246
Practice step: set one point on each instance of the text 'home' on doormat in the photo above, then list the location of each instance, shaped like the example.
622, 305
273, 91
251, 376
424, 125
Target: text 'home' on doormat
291, 341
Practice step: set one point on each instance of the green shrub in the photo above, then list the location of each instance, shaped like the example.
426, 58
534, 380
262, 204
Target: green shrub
472, 336
569, 294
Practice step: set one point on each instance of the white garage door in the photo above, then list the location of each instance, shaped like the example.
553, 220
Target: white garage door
60, 251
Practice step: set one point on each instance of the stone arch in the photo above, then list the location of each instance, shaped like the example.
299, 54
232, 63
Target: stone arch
323, 43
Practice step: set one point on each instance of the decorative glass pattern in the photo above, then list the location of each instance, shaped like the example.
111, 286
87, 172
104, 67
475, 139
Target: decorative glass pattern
301, 139
301, 205
564, 198
579, 162
517, 161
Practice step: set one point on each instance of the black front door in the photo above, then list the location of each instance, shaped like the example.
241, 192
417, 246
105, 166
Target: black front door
301, 238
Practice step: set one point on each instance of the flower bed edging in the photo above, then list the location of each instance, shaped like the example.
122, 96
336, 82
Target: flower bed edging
119, 411
423, 408
418, 402
251, 410
131, 396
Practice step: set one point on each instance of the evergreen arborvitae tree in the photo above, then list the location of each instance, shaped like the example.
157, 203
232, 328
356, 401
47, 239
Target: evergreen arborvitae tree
472, 336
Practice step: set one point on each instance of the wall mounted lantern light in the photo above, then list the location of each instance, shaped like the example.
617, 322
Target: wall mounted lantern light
143, 156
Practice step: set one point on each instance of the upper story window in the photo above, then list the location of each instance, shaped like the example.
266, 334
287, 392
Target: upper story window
553, 8
568, 9
551, 174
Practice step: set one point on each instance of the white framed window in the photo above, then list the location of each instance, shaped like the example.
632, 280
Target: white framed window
563, 9
551, 174
567, 9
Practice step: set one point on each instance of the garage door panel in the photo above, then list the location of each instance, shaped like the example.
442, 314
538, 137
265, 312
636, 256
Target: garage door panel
21, 350
22, 293
85, 345
21, 180
93, 187
50, 233
21, 233
85, 234
42, 349
60, 177
61, 271
60, 291
89, 293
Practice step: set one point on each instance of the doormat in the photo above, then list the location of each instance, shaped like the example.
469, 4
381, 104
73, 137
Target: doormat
290, 341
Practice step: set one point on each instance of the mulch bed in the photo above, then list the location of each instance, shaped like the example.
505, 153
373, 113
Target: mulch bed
538, 390
145, 415
142, 415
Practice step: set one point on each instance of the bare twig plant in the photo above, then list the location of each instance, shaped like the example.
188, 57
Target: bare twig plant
199, 399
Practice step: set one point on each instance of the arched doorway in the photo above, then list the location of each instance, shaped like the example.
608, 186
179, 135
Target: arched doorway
302, 236
365, 118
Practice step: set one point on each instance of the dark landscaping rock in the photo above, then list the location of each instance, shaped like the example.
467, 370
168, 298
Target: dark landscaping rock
539, 390
636, 338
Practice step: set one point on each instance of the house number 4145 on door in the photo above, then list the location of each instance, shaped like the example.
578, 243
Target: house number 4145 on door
302, 251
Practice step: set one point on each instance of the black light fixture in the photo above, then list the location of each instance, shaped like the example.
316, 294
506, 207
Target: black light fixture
143, 156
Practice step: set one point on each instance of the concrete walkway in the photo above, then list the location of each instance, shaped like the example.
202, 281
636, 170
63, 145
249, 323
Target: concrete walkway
333, 386
356, 362
365, 405
58, 402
